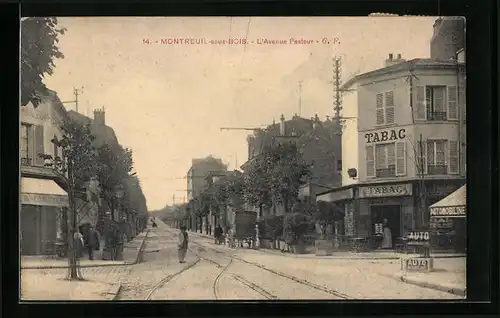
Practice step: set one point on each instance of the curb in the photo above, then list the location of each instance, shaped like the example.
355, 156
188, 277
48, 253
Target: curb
117, 293
140, 250
453, 291
138, 259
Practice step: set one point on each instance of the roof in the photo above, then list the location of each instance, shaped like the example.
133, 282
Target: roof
104, 134
401, 67
451, 205
50, 95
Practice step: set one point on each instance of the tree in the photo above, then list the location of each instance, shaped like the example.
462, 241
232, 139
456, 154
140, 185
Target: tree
39, 38
257, 187
115, 165
79, 161
286, 171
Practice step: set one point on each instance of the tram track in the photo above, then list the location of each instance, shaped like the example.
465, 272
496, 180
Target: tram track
240, 279
330, 291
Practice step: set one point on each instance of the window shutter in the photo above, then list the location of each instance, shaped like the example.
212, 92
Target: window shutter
420, 103
31, 144
389, 107
39, 147
452, 103
380, 157
380, 109
453, 157
370, 161
391, 155
422, 158
400, 158
439, 100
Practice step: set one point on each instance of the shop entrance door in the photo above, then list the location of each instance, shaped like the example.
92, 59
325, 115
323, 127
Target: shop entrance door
391, 213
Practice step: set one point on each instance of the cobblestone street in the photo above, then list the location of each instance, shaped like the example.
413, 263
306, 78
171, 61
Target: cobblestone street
218, 272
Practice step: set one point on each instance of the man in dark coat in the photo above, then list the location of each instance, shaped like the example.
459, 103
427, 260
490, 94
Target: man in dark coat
93, 242
183, 244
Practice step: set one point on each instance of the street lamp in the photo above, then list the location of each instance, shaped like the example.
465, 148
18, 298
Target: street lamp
119, 192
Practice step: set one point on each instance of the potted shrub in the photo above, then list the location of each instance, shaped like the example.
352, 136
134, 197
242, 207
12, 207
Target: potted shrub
296, 225
324, 219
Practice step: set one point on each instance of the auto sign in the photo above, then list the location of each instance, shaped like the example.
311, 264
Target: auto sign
415, 264
418, 237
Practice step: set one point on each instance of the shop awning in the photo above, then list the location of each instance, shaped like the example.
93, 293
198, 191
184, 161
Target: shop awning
454, 205
42, 192
335, 196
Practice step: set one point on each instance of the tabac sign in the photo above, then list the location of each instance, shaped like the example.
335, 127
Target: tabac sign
392, 190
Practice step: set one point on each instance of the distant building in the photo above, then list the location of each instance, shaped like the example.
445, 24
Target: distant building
448, 38
43, 192
200, 169
320, 143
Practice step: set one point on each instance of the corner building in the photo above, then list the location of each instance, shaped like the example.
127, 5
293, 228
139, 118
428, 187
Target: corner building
406, 145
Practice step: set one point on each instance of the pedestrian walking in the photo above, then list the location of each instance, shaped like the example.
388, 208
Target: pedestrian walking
93, 242
78, 244
183, 244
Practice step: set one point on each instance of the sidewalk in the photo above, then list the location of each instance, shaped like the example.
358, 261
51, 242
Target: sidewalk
381, 255
131, 254
449, 276
43, 286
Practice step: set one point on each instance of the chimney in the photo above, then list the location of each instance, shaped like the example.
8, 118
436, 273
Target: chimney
100, 117
282, 125
392, 61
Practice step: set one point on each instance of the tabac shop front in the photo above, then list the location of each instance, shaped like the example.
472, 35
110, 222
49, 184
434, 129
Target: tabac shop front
391, 202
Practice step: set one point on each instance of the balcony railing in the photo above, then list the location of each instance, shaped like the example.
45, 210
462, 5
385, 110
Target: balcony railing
386, 172
436, 115
437, 169
26, 161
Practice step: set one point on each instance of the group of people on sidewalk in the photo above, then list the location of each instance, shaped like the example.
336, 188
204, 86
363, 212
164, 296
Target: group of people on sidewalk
89, 241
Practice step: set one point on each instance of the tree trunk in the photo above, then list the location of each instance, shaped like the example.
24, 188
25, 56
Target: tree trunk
73, 272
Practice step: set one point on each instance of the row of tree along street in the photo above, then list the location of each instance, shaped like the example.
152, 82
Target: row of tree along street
270, 179
100, 173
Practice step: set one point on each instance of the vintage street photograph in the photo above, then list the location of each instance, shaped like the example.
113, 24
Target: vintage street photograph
242, 158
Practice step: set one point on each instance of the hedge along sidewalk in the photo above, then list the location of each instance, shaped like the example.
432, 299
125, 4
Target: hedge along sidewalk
132, 254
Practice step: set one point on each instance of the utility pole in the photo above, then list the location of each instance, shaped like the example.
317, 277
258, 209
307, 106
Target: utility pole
423, 194
337, 81
76, 92
300, 97
173, 199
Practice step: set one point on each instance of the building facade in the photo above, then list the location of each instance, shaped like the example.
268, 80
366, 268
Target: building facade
196, 177
318, 141
406, 149
43, 191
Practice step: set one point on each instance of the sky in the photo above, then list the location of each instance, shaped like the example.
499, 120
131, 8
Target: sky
167, 102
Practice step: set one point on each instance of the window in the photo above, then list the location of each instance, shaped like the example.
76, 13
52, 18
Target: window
436, 157
436, 103
386, 160
440, 157
385, 108
339, 165
25, 150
